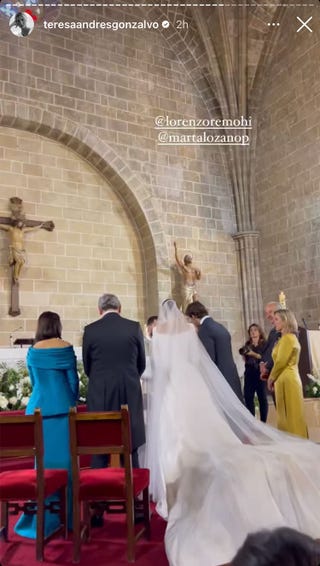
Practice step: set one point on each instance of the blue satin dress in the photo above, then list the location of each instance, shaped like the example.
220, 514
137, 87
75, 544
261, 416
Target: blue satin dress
55, 383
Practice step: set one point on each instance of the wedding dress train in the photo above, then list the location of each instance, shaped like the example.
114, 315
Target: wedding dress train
217, 473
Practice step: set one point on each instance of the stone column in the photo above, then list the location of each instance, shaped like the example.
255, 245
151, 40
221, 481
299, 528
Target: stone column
247, 245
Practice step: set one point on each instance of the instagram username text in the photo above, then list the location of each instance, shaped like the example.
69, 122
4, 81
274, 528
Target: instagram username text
203, 123
166, 138
95, 24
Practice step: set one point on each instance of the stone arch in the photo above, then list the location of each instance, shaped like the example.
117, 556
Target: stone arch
128, 187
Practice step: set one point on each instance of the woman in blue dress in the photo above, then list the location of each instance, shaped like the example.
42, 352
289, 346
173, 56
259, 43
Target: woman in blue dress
52, 367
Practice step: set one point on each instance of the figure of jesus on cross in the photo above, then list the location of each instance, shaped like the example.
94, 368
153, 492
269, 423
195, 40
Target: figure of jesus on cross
190, 276
16, 227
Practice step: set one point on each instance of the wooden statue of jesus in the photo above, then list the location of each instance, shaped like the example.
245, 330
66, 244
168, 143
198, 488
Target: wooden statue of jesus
190, 276
17, 226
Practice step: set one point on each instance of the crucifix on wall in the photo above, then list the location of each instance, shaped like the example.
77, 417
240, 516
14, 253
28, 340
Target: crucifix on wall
17, 226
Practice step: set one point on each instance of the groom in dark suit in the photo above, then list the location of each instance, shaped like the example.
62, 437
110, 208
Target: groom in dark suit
114, 359
217, 341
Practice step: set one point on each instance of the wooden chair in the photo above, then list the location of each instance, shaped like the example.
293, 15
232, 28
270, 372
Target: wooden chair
106, 433
21, 436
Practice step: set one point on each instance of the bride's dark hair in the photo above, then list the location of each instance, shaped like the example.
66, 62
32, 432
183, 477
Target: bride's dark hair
171, 320
167, 301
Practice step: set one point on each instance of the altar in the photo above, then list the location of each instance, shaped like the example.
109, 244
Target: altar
15, 355
309, 362
314, 349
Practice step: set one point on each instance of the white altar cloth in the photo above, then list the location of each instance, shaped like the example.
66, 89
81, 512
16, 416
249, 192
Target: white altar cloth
11, 356
314, 345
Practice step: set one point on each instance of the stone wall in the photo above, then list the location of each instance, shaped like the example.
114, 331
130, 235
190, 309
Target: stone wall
93, 249
288, 173
108, 88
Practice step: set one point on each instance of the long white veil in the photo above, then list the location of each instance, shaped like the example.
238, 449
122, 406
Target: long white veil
217, 473
192, 403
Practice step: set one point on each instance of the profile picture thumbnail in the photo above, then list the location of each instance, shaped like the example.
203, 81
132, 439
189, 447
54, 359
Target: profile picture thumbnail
21, 24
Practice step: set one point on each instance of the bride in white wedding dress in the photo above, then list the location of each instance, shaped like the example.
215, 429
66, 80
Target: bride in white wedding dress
217, 473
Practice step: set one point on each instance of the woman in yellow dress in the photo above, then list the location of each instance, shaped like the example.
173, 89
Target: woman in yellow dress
284, 377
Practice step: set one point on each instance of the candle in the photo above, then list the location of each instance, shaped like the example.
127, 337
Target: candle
282, 300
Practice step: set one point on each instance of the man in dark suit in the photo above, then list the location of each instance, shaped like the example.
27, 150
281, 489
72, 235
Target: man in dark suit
114, 359
217, 341
267, 362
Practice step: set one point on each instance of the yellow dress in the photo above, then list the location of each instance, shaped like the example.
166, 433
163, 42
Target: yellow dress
288, 386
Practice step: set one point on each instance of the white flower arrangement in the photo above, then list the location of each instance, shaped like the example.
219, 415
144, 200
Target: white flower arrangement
15, 387
313, 389
83, 383
3, 402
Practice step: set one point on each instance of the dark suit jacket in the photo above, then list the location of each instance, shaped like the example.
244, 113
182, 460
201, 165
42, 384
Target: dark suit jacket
217, 341
267, 353
114, 359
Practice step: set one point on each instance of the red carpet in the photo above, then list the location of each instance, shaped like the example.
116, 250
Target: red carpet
107, 547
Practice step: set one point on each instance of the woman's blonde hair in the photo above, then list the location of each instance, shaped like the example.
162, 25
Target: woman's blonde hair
289, 321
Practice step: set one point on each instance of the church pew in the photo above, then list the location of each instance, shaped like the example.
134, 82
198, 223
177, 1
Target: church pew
7, 464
